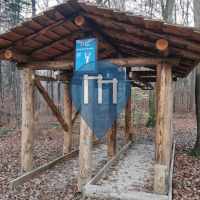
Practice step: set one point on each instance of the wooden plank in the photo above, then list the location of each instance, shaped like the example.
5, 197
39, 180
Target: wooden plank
104, 170
68, 119
51, 105
32, 174
27, 142
171, 172
177, 29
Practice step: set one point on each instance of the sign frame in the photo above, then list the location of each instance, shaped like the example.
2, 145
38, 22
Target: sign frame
96, 51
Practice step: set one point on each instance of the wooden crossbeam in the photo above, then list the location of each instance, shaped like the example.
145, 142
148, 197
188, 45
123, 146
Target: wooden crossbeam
51, 105
43, 78
185, 53
133, 76
153, 79
124, 62
169, 37
19, 57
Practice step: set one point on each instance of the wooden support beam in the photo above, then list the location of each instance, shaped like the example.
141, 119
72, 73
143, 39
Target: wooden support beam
68, 119
153, 79
27, 145
162, 46
128, 121
43, 78
63, 77
123, 62
35, 172
163, 140
51, 105
85, 155
75, 115
112, 133
45, 65
137, 78
168, 37
19, 57
86, 137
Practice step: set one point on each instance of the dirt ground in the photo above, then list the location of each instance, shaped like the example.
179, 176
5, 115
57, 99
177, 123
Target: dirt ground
61, 181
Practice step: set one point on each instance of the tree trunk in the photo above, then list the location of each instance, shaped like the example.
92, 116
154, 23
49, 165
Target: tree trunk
169, 10
196, 150
33, 7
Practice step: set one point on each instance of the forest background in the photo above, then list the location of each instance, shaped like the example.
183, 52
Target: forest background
13, 12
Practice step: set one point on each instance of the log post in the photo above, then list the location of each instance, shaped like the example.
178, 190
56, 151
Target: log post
128, 121
86, 137
163, 126
68, 119
27, 147
112, 133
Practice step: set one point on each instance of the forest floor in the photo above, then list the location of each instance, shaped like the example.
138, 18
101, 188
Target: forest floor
60, 182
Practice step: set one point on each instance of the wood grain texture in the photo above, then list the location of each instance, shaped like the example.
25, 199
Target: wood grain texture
68, 119
163, 115
27, 145
51, 104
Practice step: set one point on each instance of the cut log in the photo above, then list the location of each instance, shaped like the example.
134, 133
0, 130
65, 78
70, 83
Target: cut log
27, 145
82, 23
79, 20
19, 57
123, 62
51, 105
162, 46
68, 119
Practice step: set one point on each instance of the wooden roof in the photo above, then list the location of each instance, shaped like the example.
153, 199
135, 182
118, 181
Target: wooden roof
49, 36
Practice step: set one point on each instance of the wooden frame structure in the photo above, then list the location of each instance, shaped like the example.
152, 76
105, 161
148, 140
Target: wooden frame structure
46, 42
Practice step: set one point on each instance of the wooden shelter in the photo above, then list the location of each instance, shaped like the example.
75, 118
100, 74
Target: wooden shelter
45, 41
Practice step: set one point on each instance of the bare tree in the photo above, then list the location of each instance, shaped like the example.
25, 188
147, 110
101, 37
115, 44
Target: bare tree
196, 150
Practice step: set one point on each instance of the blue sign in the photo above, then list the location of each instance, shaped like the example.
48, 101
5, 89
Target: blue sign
86, 51
100, 96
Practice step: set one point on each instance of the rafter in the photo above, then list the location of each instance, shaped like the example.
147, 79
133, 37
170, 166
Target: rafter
169, 37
